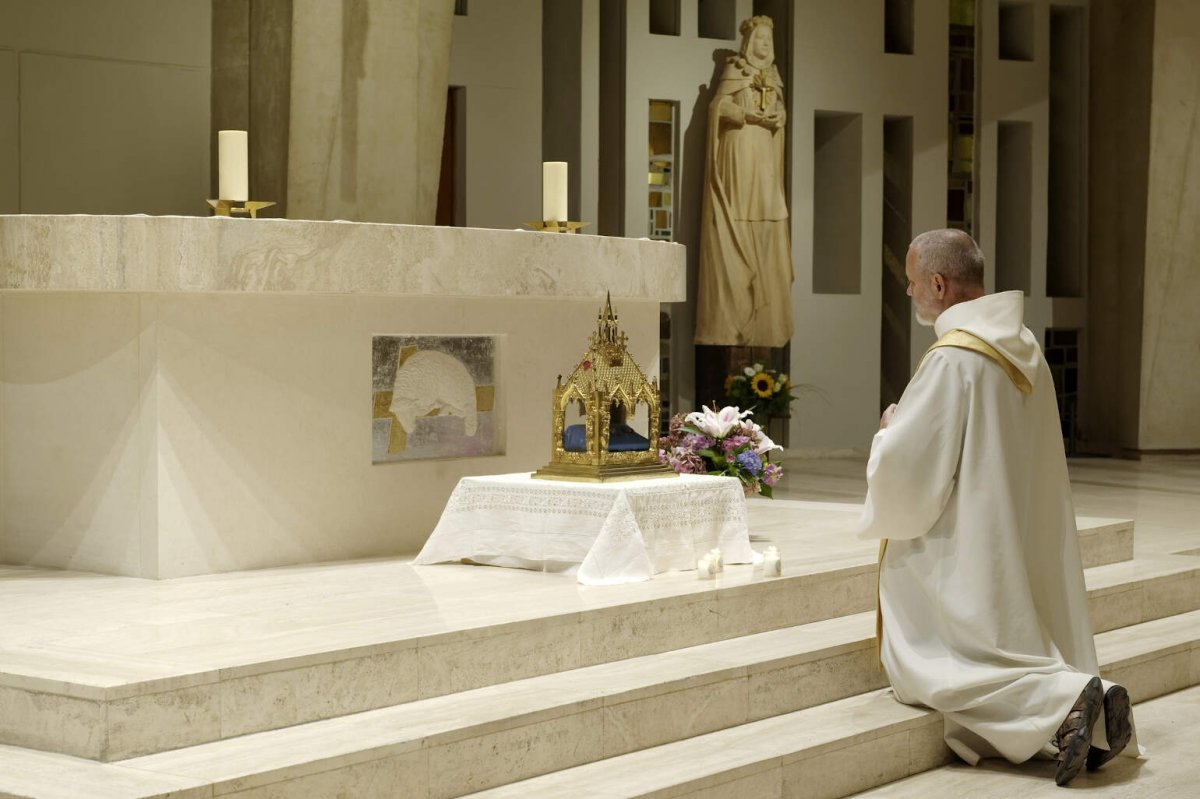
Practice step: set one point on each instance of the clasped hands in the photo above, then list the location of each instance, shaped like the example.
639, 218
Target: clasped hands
886, 419
772, 121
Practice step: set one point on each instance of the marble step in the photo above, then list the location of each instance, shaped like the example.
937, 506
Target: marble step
492, 736
1155, 657
29, 774
847, 746
1134, 591
1168, 726
823, 752
501, 733
1103, 541
118, 720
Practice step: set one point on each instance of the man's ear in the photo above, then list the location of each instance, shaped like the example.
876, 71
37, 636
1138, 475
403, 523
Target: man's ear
939, 285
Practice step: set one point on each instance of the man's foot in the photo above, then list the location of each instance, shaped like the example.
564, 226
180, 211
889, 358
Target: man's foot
1074, 737
1117, 727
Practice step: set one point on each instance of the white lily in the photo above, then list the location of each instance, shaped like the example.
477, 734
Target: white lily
763, 444
766, 445
717, 424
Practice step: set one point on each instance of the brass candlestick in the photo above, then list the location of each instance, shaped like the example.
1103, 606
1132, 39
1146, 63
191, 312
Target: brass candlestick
248, 208
554, 226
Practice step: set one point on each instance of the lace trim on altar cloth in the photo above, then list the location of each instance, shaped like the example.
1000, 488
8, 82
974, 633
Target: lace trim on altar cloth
656, 508
469, 498
617, 533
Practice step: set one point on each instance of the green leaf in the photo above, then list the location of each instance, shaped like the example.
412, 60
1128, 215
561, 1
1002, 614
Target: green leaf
766, 491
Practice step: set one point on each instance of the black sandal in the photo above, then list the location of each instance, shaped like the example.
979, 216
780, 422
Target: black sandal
1074, 737
1117, 727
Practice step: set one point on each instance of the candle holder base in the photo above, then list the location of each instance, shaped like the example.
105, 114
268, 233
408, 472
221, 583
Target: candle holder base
248, 208
554, 226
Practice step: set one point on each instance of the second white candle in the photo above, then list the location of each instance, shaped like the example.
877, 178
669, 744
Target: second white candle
554, 191
233, 172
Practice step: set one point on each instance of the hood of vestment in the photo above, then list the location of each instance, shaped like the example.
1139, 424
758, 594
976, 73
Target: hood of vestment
998, 319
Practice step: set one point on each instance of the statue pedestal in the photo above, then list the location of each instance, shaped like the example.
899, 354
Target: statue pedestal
185, 395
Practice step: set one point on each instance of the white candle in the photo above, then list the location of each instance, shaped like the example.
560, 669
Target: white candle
233, 173
554, 191
718, 558
706, 568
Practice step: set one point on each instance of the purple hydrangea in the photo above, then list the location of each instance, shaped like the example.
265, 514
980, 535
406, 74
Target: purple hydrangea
734, 442
682, 461
696, 442
771, 474
751, 462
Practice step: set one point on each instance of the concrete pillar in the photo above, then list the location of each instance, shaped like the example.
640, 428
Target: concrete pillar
368, 103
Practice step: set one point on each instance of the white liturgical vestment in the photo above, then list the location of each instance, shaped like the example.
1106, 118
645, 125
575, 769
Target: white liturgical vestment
985, 614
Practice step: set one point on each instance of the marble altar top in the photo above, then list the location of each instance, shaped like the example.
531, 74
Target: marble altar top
213, 254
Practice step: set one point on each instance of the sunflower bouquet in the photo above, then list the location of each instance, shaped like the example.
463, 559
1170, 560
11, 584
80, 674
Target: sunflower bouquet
766, 390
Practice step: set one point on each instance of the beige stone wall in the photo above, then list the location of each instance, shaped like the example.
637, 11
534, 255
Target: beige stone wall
1170, 384
104, 107
839, 65
368, 104
1121, 40
497, 58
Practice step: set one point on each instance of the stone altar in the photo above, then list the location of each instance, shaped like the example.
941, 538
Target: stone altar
185, 395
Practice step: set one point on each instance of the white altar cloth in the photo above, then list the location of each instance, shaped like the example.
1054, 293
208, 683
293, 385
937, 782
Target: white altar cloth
618, 532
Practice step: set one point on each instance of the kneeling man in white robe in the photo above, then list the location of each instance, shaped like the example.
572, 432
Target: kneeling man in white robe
984, 613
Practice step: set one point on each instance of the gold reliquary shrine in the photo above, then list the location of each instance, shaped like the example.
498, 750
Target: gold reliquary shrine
592, 438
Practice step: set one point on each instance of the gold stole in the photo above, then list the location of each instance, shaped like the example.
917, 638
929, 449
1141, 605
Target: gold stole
967, 341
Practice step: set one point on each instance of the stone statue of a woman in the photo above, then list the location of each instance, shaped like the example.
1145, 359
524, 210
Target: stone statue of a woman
745, 251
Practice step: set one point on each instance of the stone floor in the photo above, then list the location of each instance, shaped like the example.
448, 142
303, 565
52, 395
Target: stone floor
111, 642
1162, 495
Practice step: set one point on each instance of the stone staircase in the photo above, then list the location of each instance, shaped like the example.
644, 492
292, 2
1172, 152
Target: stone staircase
739, 687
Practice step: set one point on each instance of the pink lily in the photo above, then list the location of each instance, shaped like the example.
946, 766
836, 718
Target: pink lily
717, 423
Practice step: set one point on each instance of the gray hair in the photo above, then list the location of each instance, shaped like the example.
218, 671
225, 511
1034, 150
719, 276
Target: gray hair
950, 253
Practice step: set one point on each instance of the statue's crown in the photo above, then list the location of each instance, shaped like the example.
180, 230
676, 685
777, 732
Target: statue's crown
754, 22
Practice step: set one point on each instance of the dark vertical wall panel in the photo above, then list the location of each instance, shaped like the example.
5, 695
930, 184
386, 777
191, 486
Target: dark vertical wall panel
1066, 225
898, 27
895, 321
611, 191
251, 90
1121, 62
1014, 214
230, 74
837, 203
562, 36
270, 100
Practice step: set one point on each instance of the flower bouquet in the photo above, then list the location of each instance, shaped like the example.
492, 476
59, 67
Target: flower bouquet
723, 442
760, 388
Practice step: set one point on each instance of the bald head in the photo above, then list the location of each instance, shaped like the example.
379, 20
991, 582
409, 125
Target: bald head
944, 267
952, 254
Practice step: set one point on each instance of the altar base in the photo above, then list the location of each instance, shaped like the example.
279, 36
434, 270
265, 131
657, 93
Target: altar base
182, 396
